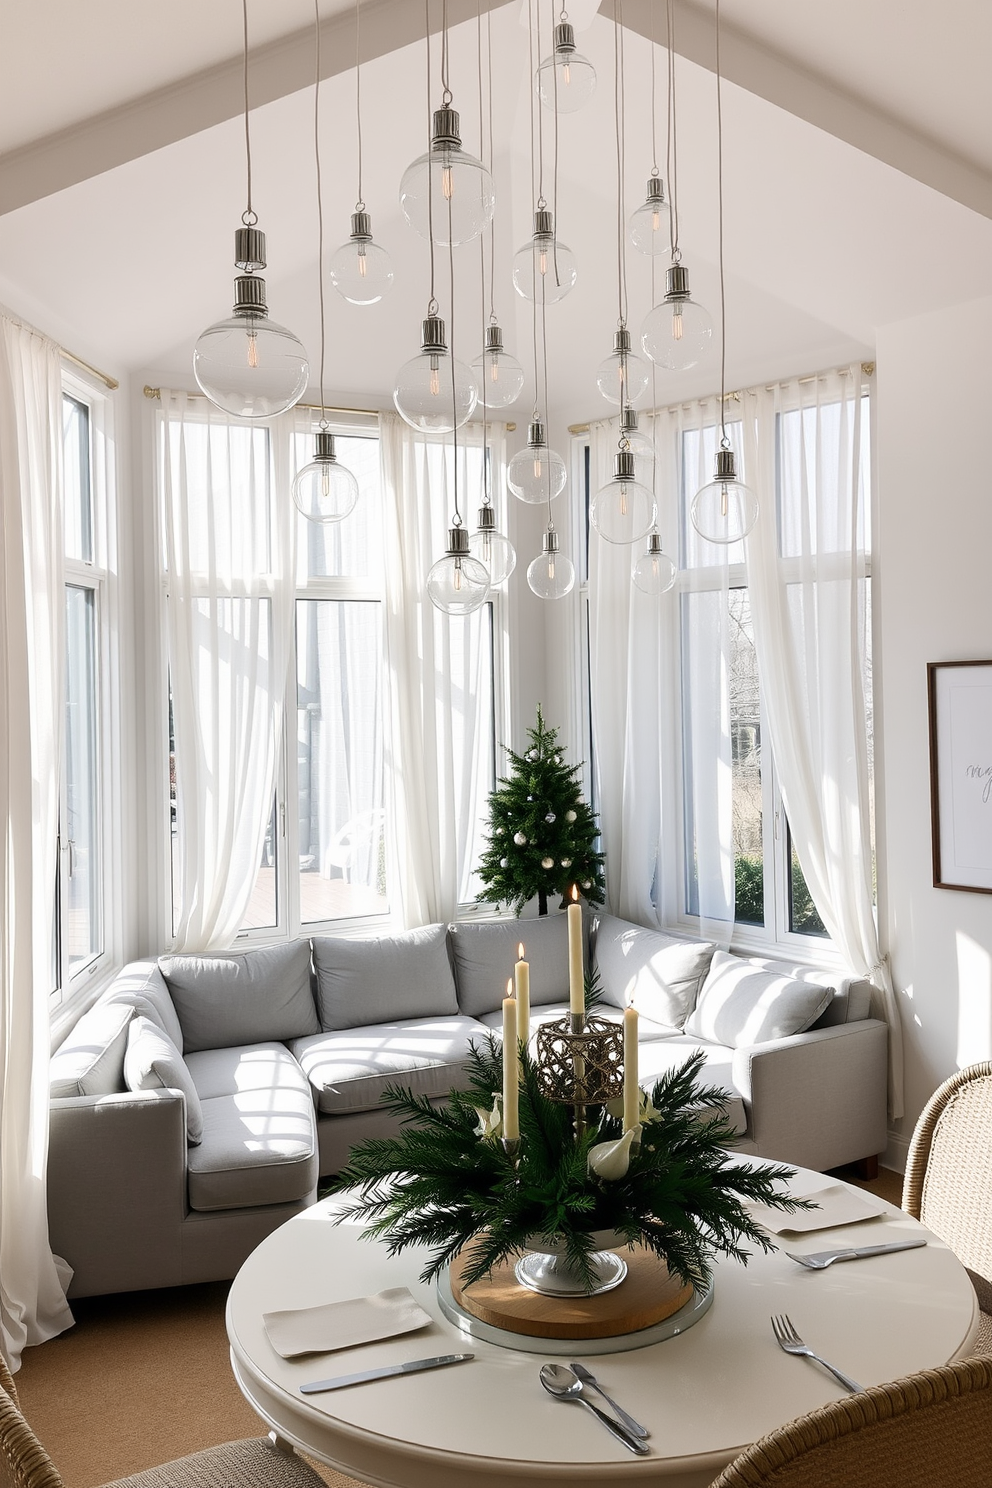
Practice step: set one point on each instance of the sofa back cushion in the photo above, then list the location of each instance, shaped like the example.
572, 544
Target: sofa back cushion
851, 1000
360, 982
153, 1062
486, 953
742, 1002
242, 997
90, 1060
142, 988
658, 974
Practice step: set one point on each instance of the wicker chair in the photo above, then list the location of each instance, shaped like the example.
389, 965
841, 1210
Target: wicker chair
24, 1463
948, 1183
931, 1430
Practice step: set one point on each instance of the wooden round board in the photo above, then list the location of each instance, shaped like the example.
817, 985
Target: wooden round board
647, 1295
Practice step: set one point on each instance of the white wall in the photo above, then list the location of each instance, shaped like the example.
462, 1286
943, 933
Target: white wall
933, 545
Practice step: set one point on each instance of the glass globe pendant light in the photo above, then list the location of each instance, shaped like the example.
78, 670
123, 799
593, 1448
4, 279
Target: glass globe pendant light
677, 333
565, 80
544, 269
458, 583
623, 511
499, 375
536, 473
324, 490
447, 195
650, 226
494, 551
433, 392
247, 364
654, 571
551, 575
622, 377
360, 270
725, 510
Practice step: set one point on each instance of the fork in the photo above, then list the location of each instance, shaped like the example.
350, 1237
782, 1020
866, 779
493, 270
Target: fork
788, 1339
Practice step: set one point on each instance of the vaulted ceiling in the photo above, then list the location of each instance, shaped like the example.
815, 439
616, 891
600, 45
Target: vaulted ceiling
858, 175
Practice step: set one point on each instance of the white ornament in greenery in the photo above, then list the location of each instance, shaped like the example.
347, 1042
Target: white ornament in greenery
566, 862
570, 816
547, 862
504, 862
520, 839
610, 1160
550, 818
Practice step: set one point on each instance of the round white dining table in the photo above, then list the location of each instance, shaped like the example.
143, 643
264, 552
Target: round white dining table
704, 1395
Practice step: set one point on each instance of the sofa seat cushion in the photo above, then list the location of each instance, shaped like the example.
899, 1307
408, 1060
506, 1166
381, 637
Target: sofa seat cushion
361, 982
232, 998
656, 1059
658, 974
350, 1068
646, 1030
259, 1142
742, 1003
486, 952
90, 1060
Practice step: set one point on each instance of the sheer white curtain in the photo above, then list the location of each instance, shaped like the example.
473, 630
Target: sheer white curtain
807, 451
634, 664
229, 543
32, 714
438, 673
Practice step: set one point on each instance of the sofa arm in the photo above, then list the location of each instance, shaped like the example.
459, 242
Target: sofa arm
117, 1189
817, 1099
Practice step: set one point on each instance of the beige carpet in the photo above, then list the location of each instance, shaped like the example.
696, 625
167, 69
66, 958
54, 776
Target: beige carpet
144, 1377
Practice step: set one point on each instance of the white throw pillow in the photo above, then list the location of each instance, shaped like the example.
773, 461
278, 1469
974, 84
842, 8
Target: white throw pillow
153, 1062
741, 1003
658, 974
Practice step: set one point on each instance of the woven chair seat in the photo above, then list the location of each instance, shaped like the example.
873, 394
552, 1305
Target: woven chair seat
930, 1430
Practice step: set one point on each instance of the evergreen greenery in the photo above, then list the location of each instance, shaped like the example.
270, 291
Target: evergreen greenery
541, 834
444, 1185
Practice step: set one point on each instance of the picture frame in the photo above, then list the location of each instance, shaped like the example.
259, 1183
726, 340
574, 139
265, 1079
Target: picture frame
959, 699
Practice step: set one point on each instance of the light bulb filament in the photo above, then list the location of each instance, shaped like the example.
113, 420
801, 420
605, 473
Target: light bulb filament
551, 567
724, 501
253, 348
325, 481
457, 580
538, 467
363, 267
447, 183
676, 322
542, 260
494, 368
566, 74
655, 221
623, 500
435, 381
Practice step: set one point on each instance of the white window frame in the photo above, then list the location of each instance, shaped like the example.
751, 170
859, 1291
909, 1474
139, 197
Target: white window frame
98, 576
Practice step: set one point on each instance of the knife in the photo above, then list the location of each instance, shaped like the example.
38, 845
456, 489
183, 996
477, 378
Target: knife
412, 1367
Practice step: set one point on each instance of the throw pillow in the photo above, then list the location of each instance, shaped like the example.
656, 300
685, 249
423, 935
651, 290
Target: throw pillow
360, 982
142, 988
659, 974
90, 1060
486, 953
242, 997
153, 1062
741, 1004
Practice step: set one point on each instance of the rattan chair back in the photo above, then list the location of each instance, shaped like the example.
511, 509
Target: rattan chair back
930, 1430
24, 1463
948, 1183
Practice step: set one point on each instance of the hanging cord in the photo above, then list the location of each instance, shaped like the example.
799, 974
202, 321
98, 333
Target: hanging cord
456, 520
618, 118
360, 203
446, 95
432, 302
554, 179
544, 338
654, 95
673, 150
724, 441
320, 200
533, 182
492, 220
248, 217
486, 494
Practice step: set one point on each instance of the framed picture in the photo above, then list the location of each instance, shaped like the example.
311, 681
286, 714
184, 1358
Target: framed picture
960, 704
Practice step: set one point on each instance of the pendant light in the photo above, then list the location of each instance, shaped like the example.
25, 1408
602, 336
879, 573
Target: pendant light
725, 510
433, 392
623, 511
324, 490
249, 365
500, 376
650, 227
458, 583
565, 81
551, 574
654, 571
536, 473
360, 270
544, 269
678, 333
623, 377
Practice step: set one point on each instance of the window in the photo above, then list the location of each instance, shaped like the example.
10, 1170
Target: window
84, 896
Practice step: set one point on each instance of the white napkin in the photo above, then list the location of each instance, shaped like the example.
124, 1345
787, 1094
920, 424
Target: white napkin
339, 1325
837, 1206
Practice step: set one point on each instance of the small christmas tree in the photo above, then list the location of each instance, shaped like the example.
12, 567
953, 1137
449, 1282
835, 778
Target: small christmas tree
541, 833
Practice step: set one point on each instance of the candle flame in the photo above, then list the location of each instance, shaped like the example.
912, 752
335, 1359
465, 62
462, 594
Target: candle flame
509, 986
520, 951
575, 892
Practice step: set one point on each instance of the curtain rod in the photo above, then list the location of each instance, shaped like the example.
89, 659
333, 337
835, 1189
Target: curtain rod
104, 377
156, 392
868, 369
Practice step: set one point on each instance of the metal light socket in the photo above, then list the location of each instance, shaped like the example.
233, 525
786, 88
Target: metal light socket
544, 223
725, 466
249, 296
324, 447
446, 133
623, 465
551, 543
628, 420
656, 191
564, 37
494, 338
677, 282
434, 338
457, 543
361, 227
536, 434
249, 249
487, 519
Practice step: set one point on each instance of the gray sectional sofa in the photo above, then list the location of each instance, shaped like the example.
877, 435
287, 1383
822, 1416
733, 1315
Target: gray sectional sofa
195, 1105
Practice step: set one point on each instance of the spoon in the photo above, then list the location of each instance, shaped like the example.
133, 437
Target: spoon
564, 1385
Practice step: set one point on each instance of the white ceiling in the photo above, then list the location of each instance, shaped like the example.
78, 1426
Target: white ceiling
825, 239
